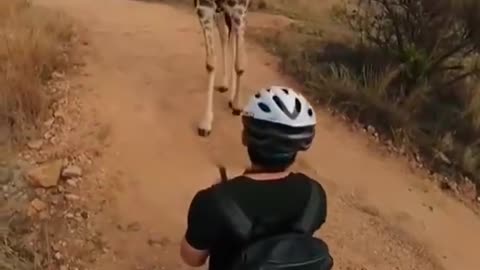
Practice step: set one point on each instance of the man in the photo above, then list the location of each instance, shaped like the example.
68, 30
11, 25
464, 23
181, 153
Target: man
277, 123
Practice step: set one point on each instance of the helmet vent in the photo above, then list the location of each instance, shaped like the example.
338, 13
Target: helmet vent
310, 112
281, 105
285, 91
257, 95
298, 105
264, 107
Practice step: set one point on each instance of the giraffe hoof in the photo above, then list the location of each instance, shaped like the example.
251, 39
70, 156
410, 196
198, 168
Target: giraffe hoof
222, 89
236, 112
203, 132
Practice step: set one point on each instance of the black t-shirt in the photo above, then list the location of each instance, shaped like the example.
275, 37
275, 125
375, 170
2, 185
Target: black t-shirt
282, 199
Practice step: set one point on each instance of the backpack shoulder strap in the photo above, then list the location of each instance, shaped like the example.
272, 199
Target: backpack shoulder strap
239, 222
307, 220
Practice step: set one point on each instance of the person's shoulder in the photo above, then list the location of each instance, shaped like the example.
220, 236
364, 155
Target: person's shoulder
321, 195
300, 176
238, 178
203, 198
207, 195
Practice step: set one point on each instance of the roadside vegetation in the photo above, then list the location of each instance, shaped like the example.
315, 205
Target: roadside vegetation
34, 44
407, 69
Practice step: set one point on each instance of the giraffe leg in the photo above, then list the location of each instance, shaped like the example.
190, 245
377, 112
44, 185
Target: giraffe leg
240, 59
233, 76
223, 32
206, 17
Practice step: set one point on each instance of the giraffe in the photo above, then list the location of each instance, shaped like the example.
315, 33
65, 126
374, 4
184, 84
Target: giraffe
228, 16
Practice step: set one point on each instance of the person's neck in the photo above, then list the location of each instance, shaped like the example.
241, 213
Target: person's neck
258, 173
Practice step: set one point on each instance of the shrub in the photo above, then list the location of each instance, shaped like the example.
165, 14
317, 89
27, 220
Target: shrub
32, 46
434, 46
408, 67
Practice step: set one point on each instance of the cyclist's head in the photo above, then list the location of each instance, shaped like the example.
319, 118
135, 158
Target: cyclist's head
277, 123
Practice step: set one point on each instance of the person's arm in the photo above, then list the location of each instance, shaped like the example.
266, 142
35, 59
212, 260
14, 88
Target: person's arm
323, 201
322, 213
192, 256
200, 233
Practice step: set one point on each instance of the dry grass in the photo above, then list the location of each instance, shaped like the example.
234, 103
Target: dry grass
343, 76
12, 227
298, 9
32, 45
292, 8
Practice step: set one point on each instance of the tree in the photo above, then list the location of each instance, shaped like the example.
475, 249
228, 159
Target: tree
433, 41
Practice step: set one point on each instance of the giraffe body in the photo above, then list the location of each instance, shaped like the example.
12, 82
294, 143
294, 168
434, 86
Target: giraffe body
228, 16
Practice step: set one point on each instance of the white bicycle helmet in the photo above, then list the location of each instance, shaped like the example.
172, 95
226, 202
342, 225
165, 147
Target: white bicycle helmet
277, 120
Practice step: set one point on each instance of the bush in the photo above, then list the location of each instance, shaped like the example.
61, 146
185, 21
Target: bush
410, 69
433, 44
32, 46
428, 38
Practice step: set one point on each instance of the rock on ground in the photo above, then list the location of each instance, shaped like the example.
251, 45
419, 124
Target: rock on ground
38, 205
45, 175
72, 171
35, 145
6, 175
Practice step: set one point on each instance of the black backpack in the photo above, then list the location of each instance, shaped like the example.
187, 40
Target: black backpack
295, 250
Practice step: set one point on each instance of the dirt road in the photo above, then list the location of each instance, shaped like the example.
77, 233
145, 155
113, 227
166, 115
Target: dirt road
145, 69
